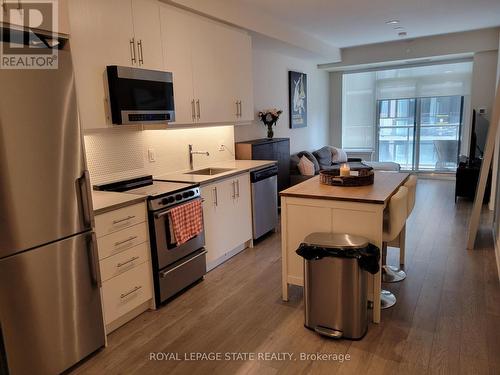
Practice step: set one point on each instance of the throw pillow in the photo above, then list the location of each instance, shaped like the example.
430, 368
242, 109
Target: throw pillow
338, 155
311, 157
306, 167
324, 156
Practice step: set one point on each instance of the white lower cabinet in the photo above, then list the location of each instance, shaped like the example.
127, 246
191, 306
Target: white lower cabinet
125, 292
227, 215
125, 264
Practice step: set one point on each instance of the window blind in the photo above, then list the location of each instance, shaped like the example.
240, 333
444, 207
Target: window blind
360, 92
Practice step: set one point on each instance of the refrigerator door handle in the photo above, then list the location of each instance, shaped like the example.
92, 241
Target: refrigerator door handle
86, 199
93, 260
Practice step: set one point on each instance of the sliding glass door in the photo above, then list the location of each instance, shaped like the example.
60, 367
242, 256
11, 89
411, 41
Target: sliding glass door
420, 133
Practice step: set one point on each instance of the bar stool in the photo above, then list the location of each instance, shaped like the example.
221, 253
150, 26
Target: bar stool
394, 274
393, 224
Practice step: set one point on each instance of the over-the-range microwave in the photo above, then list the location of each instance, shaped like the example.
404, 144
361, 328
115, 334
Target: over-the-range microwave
140, 96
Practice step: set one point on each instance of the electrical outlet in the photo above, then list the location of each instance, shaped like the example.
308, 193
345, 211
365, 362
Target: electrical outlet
221, 147
151, 155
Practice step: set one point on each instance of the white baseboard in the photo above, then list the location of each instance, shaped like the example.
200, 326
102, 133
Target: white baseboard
211, 265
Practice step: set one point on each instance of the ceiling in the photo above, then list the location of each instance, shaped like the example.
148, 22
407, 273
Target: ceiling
346, 23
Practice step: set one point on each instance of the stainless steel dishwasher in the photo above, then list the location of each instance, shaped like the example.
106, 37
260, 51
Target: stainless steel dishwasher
264, 200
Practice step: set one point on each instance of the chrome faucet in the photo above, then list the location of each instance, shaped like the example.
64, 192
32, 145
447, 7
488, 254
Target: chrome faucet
191, 153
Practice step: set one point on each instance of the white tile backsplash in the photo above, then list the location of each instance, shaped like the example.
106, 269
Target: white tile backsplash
119, 153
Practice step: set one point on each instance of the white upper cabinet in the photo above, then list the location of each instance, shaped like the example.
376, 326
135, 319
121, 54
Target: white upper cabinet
211, 62
211, 65
236, 49
101, 34
147, 35
110, 32
176, 39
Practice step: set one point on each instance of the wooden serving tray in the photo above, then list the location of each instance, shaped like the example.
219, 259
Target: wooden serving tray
332, 177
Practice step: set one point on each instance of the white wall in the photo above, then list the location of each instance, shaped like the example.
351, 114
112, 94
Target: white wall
119, 153
270, 82
483, 83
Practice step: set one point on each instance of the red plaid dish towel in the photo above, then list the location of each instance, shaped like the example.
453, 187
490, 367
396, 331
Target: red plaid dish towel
187, 221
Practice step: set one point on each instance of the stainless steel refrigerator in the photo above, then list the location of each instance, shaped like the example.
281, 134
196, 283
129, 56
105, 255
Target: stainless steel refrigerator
50, 308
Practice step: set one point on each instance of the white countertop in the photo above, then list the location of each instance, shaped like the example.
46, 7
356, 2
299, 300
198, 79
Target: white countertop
104, 201
236, 166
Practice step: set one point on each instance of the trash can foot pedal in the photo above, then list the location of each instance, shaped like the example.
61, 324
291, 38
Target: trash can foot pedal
325, 331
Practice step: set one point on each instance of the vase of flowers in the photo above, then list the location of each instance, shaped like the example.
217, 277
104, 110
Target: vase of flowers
270, 117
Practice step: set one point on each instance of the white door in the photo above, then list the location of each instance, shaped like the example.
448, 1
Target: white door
238, 74
209, 69
176, 46
245, 77
147, 31
101, 32
242, 207
215, 211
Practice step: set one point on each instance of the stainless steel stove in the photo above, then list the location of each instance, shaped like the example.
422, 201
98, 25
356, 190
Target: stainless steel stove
175, 267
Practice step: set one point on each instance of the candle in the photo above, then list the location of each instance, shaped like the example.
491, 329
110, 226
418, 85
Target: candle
345, 170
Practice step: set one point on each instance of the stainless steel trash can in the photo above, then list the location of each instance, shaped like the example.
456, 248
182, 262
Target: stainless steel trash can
335, 283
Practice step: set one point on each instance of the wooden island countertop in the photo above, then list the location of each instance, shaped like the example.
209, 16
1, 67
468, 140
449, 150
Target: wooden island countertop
384, 186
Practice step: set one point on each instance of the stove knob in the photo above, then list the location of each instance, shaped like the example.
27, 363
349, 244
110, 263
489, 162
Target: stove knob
178, 197
191, 193
164, 201
185, 194
171, 199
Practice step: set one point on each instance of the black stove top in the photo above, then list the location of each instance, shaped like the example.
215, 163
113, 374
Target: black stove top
161, 194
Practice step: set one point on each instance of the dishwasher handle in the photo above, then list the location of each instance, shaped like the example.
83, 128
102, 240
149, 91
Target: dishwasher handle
264, 173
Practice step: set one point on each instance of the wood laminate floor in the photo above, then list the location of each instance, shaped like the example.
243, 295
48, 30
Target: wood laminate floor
446, 321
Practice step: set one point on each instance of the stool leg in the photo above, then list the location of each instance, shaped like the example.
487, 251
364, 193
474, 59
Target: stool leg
402, 245
387, 299
390, 274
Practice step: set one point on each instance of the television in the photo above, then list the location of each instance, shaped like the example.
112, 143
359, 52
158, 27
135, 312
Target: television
478, 135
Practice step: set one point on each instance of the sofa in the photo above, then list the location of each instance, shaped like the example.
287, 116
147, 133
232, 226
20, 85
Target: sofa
327, 156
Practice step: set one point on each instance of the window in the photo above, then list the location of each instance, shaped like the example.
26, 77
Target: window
401, 105
420, 133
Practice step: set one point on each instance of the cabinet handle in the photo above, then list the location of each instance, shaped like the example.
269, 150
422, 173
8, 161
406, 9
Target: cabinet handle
125, 241
237, 109
233, 195
126, 262
216, 199
132, 51
237, 188
241, 109
122, 220
136, 288
139, 49
193, 110
198, 108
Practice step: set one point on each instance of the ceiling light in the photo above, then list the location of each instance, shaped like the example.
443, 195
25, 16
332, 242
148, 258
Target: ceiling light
398, 28
392, 22
402, 33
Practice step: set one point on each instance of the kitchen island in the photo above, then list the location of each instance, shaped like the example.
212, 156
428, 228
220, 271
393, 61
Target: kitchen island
313, 207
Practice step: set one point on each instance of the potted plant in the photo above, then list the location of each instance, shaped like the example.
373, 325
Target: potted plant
269, 117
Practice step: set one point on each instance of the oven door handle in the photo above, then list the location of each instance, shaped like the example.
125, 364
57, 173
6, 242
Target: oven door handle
165, 273
163, 213
158, 215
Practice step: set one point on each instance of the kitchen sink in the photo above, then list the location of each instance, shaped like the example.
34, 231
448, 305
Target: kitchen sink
210, 171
